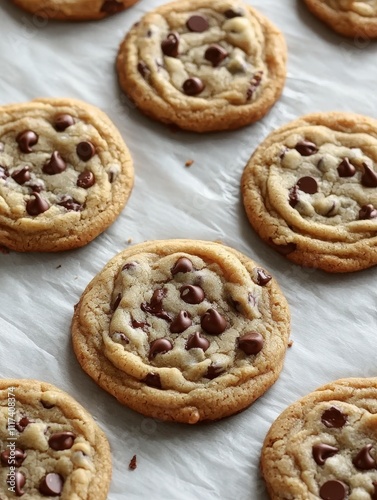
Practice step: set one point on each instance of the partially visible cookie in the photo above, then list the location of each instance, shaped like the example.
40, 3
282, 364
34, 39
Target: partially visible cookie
310, 191
65, 174
203, 65
324, 446
352, 18
74, 10
182, 330
50, 446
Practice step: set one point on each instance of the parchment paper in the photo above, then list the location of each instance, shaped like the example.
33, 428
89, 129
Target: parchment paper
333, 317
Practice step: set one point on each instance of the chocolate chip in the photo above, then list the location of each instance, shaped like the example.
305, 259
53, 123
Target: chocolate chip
129, 265
364, 460
22, 424
51, 485
155, 306
115, 304
183, 265
112, 6
334, 418
139, 324
197, 341
120, 338
262, 277
293, 196
36, 206
231, 13
61, 441
86, 179
254, 84
213, 323
321, 452
306, 148
70, 203
3, 172
307, 185
18, 456
197, 23
143, 69
333, 490
192, 294
46, 405
55, 165
153, 380
193, 86
21, 176
215, 54
132, 465
181, 322
85, 150
283, 249
19, 482
369, 177
26, 140
170, 45
367, 212
63, 121
251, 343
159, 346
346, 169
214, 371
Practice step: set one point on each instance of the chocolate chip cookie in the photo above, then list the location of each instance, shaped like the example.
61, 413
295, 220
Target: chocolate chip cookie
324, 446
310, 191
353, 18
50, 446
65, 174
203, 65
182, 330
74, 10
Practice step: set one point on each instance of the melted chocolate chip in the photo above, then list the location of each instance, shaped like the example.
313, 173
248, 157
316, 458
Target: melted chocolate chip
193, 86
21, 176
3, 172
115, 304
197, 341
22, 424
215, 54
61, 441
55, 165
283, 249
369, 177
364, 460
307, 185
170, 45
367, 212
63, 121
251, 343
112, 6
183, 265
85, 150
334, 418
321, 452
155, 306
46, 405
19, 482
70, 203
86, 179
128, 266
333, 490
51, 485
16, 459
143, 69
159, 346
293, 196
346, 169
26, 140
306, 148
120, 338
262, 277
153, 380
36, 206
231, 13
254, 84
214, 371
197, 23
139, 324
192, 294
213, 323
181, 322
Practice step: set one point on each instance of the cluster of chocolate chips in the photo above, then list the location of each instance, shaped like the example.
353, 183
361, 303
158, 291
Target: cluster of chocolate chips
345, 168
333, 489
55, 165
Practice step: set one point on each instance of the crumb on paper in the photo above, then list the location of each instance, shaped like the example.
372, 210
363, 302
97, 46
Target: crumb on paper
218, 241
290, 343
132, 465
4, 250
129, 241
58, 267
189, 163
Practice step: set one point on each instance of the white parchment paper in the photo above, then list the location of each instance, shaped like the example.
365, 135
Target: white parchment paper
333, 317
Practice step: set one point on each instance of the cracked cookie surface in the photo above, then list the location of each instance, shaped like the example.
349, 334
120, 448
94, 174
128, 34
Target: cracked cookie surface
65, 174
182, 330
50, 445
352, 18
203, 65
310, 191
324, 446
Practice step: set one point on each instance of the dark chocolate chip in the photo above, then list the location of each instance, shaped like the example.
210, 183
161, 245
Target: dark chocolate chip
18, 482
181, 322
120, 338
170, 45
86, 179
133, 464
367, 212
26, 140
193, 86
51, 485
63, 121
70, 203
333, 490
192, 294
293, 196
36, 206
262, 277
128, 266
143, 69
214, 371
321, 452
21, 176
55, 165
85, 150
183, 265
16, 459
346, 169
22, 424
307, 185
251, 343
254, 84
112, 6
197, 23
306, 148
46, 405
36, 188
369, 177
62, 441
197, 341
215, 54
213, 323
153, 380
3, 172
231, 13
155, 306
139, 324
334, 418
283, 249
159, 346
364, 460
115, 304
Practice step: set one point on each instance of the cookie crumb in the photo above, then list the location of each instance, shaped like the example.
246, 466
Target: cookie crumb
132, 465
189, 163
58, 267
129, 241
290, 343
